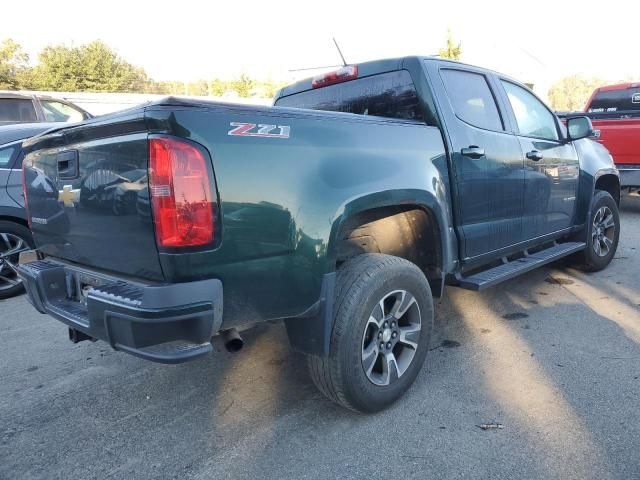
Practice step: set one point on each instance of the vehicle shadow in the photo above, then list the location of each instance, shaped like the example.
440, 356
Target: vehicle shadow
542, 363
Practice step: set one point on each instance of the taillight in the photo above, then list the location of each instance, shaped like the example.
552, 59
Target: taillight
24, 193
342, 75
182, 194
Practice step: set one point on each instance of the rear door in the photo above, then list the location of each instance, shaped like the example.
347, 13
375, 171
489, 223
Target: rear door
551, 164
487, 162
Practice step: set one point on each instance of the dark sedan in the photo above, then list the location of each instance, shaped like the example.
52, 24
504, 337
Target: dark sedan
14, 231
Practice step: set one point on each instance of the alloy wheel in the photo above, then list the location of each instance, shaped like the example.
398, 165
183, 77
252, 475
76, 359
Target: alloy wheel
10, 247
603, 231
391, 337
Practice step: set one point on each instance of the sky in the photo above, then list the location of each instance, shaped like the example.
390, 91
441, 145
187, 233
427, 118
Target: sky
186, 39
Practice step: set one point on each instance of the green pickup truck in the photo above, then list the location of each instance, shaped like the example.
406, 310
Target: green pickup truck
342, 210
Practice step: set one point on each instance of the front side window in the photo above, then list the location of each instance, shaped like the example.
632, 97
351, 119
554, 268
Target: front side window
471, 99
532, 117
60, 112
390, 95
6, 154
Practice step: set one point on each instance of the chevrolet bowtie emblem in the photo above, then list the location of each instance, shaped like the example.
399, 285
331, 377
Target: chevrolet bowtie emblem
68, 195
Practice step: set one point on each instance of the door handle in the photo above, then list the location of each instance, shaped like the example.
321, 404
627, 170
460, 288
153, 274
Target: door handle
473, 151
534, 155
68, 165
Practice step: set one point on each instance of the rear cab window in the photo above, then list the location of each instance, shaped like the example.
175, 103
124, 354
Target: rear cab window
390, 95
618, 100
17, 110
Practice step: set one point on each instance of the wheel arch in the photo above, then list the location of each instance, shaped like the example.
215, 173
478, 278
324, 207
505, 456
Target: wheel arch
410, 224
16, 215
610, 183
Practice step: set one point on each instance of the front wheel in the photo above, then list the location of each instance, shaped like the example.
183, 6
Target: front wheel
603, 233
383, 317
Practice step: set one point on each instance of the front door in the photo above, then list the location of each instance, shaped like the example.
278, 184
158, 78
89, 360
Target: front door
487, 164
551, 164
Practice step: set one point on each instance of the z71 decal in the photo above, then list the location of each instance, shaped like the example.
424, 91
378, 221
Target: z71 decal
259, 130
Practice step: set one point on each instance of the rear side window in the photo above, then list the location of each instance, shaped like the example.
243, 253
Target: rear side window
6, 154
390, 95
624, 100
471, 99
17, 110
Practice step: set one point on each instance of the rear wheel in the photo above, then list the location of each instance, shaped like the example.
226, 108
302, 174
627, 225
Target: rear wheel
383, 318
603, 233
13, 239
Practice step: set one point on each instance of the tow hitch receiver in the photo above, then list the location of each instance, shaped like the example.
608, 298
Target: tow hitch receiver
77, 336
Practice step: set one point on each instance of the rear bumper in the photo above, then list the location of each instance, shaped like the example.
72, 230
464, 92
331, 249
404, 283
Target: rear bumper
163, 323
629, 175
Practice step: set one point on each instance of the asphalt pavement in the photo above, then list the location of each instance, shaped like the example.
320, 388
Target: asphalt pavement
551, 360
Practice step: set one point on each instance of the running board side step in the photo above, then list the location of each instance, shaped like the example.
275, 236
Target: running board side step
511, 269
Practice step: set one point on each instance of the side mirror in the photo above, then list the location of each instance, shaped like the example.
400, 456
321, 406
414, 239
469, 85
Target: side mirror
579, 127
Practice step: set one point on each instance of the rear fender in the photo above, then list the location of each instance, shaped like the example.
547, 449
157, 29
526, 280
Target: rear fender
391, 198
311, 333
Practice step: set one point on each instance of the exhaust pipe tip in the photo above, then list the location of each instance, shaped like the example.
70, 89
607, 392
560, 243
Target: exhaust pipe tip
232, 340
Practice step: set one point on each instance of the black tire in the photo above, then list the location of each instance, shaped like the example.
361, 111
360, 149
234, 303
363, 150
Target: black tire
589, 259
361, 284
11, 231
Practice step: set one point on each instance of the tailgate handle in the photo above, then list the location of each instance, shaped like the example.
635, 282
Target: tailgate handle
68, 165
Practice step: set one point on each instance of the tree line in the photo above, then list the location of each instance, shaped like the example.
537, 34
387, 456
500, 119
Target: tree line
95, 67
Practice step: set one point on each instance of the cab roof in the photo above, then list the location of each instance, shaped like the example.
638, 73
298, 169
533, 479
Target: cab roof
375, 67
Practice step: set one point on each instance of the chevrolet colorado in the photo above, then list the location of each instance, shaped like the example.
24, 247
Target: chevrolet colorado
342, 210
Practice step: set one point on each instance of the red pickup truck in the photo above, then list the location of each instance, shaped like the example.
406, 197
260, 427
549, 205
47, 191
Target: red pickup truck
615, 113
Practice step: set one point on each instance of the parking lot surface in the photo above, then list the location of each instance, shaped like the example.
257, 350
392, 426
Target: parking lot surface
553, 358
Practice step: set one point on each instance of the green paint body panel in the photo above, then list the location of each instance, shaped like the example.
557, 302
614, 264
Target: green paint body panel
278, 225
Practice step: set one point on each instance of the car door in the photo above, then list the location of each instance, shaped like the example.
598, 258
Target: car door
551, 164
487, 163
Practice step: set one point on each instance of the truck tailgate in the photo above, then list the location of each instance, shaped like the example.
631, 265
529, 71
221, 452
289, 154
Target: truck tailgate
87, 199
